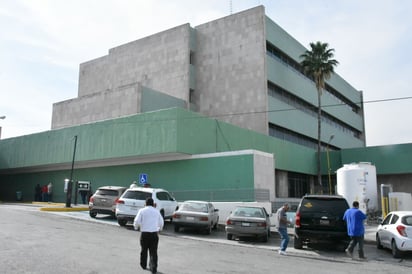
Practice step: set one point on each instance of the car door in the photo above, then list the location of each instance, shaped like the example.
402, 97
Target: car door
168, 202
384, 233
213, 213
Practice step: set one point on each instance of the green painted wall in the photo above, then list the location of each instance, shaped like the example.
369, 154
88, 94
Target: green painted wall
153, 100
204, 175
391, 159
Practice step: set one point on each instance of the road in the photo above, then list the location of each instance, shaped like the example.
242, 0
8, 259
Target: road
34, 241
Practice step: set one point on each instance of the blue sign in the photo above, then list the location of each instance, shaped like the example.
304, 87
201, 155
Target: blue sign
142, 178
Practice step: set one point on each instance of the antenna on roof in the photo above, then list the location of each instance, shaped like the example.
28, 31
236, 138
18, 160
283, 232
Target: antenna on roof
230, 6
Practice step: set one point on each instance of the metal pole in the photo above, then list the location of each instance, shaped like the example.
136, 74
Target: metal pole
327, 156
70, 183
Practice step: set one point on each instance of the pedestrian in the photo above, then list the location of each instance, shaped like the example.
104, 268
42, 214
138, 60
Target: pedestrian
282, 226
49, 192
44, 193
37, 193
83, 194
150, 222
354, 219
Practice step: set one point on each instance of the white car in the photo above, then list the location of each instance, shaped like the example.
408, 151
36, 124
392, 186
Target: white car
395, 232
134, 199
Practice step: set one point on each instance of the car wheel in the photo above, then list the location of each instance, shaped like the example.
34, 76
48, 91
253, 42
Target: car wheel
297, 243
93, 214
215, 226
265, 238
229, 236
396, 253
162, 212
122, 222
208, 230
378, 242
177, 228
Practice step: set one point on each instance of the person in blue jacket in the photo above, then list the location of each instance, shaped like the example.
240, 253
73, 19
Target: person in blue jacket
354, 219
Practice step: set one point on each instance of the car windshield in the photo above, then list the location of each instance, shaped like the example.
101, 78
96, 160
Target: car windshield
107, 192
137, 195
323, 205
248, 212
196, 207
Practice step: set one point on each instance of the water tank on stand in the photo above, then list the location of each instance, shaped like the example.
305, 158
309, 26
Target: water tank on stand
400, 201
357, 182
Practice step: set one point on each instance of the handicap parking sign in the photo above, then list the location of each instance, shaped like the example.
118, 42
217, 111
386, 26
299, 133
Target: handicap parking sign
142, 178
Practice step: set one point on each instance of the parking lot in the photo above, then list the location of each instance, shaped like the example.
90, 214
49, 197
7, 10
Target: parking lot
219, 236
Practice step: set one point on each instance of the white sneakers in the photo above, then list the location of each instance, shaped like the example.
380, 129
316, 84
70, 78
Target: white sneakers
282, 252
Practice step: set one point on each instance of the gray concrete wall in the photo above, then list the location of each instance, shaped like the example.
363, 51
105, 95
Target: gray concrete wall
107, 84
159, 61
97, 106
264, 173
231, 70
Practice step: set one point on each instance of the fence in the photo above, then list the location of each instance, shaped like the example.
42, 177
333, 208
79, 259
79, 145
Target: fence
224, 195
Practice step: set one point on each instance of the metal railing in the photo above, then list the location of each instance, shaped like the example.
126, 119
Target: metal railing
224, 195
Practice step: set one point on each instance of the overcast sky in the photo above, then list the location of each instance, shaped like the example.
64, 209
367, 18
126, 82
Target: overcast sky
42, 43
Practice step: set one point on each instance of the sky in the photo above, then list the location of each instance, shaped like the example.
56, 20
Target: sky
42, 43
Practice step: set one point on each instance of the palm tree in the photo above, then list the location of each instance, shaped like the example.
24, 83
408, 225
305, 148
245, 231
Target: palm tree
318, 64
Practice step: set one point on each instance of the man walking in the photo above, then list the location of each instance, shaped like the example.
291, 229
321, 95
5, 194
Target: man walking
354, 219
282, 225
150, 222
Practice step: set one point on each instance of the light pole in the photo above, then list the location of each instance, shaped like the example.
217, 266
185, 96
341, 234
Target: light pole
2, 118
327, 158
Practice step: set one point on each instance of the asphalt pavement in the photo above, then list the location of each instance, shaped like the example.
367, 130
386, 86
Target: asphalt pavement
370, 229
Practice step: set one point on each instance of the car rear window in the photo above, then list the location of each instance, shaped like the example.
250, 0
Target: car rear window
107, 192
248, 212
407, 220
323, 205
137, 195
196, 207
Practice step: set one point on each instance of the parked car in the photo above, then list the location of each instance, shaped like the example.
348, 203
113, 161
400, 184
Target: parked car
318, 219
248, 221
395, 233
134, 199
196, 214
103, 201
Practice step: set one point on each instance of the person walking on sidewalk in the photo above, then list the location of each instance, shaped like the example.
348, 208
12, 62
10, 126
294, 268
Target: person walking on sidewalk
282, 226
151, 223
354, 219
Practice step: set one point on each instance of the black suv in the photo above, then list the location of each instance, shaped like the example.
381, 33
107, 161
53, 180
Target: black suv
319, 220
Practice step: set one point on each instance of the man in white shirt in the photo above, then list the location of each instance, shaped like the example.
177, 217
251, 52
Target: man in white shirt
150, 222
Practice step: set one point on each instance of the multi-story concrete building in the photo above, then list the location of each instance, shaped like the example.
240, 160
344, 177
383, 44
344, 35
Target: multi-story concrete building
210, 112
242, 69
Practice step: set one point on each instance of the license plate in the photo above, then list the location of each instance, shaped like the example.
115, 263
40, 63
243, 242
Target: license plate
190, 218
245, 224
324, 222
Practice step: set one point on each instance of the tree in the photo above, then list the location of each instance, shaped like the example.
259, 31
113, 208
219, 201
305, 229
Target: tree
318, 65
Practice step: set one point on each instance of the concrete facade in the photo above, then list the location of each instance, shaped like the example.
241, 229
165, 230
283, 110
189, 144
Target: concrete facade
242, 69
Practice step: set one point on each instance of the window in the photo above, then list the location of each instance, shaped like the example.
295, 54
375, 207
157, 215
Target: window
298, 184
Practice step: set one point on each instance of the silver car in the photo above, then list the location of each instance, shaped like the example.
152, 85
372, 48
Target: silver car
104, 200
248, 221
395, 232
196, 214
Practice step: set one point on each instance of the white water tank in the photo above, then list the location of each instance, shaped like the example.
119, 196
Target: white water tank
357, 182
400, 201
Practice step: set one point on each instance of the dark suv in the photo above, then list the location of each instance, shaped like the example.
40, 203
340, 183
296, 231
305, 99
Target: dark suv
319, 220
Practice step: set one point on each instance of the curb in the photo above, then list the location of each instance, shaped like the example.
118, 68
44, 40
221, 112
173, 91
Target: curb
59, 207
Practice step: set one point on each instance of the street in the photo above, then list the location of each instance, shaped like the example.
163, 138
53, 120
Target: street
33, 241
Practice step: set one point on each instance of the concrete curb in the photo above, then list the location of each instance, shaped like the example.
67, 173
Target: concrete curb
45, 206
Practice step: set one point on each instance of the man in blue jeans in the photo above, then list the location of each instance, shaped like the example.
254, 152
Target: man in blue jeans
354, 219
282, 225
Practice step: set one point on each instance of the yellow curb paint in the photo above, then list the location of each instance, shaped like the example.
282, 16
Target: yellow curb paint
63, 209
